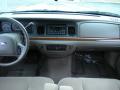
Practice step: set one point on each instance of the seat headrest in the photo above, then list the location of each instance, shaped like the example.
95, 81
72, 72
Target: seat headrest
50, 86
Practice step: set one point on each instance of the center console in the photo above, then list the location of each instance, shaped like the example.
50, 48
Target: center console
57, 30
57, 50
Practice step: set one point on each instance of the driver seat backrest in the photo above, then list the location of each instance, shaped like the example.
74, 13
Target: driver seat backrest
90, 83
24, 83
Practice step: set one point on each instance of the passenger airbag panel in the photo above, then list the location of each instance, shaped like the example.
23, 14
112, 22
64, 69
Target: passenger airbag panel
99, 30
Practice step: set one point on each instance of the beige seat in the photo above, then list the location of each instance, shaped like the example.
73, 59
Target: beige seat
23, 83
91, 83
42, 83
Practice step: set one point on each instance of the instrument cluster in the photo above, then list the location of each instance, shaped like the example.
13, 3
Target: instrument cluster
9, 27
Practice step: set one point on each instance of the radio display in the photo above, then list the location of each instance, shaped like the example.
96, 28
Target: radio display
56, 30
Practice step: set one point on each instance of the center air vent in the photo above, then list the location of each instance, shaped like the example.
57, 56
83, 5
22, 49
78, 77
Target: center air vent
71, 30
41, 30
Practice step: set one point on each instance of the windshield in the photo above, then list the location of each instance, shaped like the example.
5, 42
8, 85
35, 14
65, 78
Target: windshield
112, 6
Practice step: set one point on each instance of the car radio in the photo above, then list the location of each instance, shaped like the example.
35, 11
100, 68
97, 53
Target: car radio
56, 30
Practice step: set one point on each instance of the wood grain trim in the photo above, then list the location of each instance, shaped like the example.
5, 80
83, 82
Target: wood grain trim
71, 38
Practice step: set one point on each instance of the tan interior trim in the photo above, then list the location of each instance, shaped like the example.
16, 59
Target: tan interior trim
72, 38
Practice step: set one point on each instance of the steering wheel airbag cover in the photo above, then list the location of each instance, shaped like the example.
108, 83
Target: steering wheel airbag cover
7, 46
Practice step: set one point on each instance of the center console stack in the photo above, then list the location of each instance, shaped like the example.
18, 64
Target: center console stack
57, 50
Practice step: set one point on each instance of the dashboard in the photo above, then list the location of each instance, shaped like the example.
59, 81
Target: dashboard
63, 36
41, 29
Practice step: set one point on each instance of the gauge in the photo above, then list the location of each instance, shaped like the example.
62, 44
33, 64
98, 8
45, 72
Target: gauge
6, 26
15, 27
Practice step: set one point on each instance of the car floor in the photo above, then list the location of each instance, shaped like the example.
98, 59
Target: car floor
56, 68
78, 65
27, 67
92, 65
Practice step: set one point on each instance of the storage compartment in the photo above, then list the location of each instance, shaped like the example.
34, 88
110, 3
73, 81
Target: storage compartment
99, 30
56, 47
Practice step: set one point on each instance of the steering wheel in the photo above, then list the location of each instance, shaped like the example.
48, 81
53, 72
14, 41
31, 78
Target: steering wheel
14, 43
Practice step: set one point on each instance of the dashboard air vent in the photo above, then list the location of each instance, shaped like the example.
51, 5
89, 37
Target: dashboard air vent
41, 29
71, 30
29, 29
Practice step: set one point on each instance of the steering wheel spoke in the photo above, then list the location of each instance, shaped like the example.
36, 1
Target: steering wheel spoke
21, 46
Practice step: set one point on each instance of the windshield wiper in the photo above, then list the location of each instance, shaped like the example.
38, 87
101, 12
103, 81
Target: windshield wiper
97, 13
36, 11
100, 13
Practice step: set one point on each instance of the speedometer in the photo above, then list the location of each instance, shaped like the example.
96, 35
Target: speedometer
15, 27
6, 26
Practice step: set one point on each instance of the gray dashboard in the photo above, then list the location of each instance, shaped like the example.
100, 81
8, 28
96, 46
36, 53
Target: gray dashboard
59, 28
62, 34
74, 34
